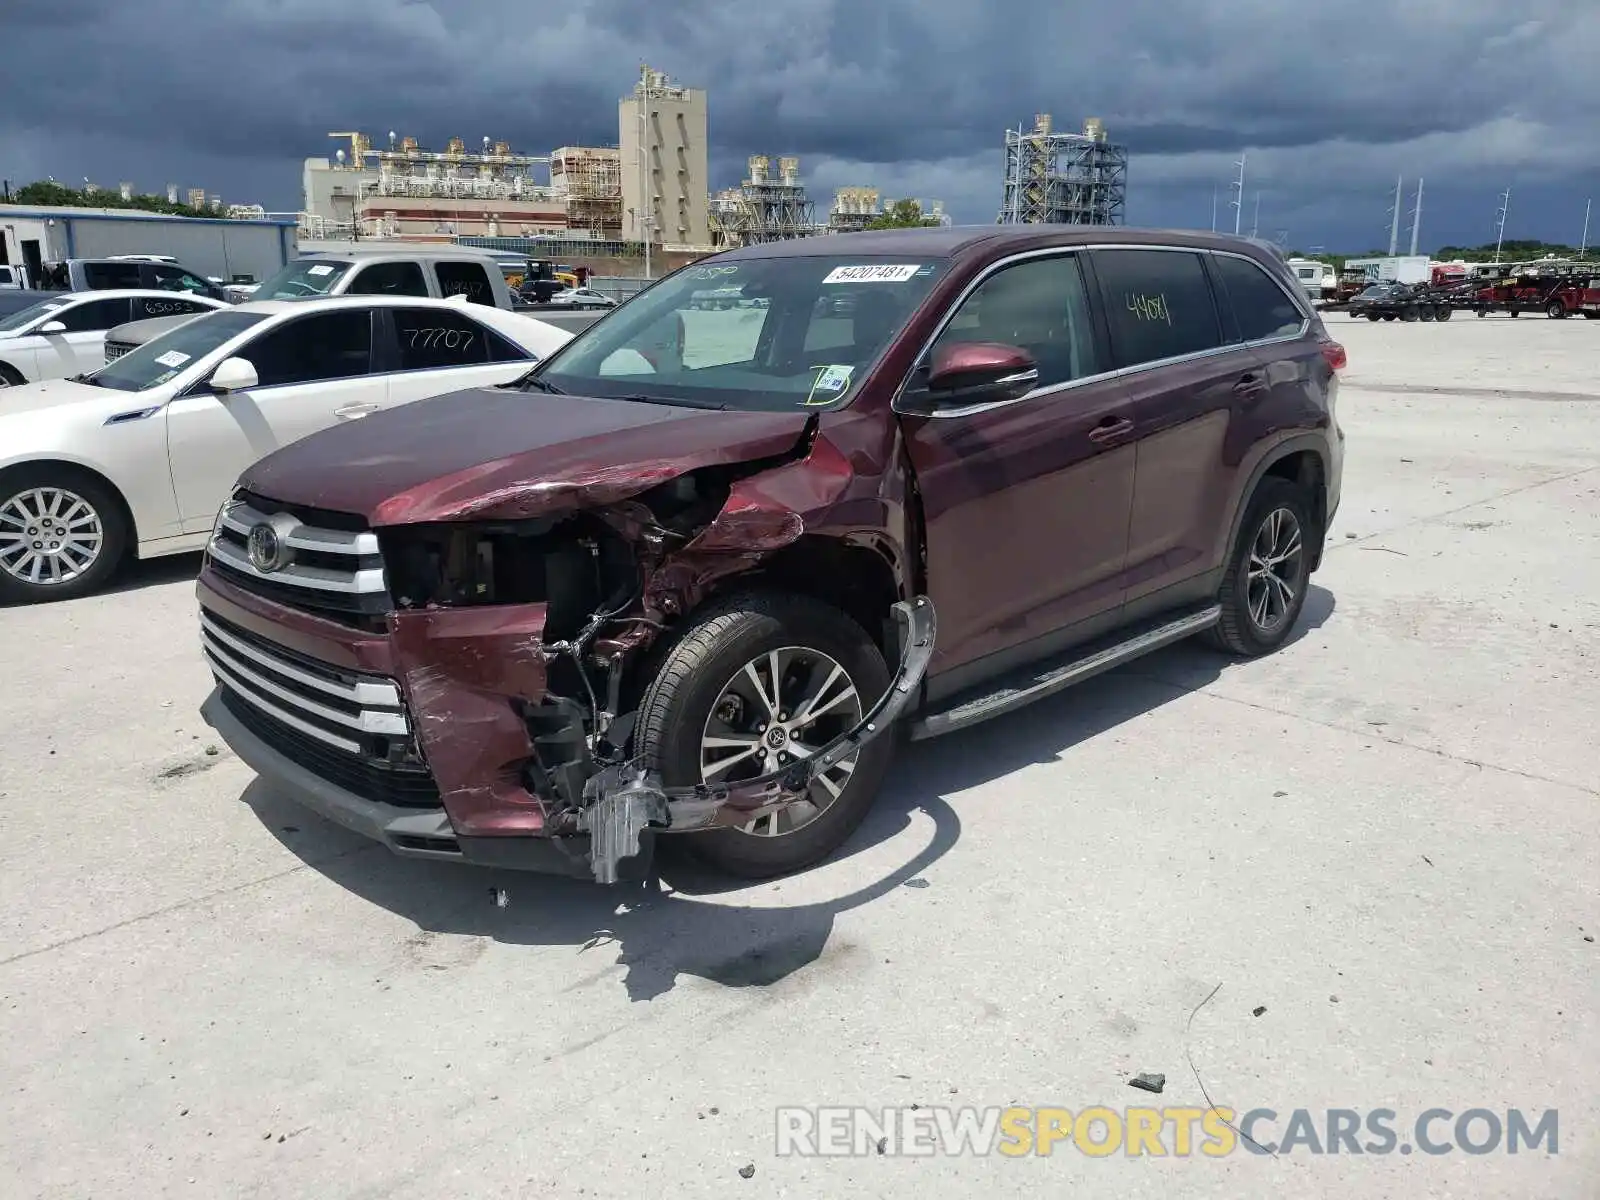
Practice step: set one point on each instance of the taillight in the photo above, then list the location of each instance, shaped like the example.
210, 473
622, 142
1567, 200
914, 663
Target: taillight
1333, 353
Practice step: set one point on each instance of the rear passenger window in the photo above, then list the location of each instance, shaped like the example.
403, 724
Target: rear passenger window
430, 338
390, 279
1040, 306
105, 276
1158, 304
1261, 307
465, 279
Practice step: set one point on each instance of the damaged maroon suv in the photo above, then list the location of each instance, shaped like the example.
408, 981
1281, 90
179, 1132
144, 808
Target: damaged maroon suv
682, 578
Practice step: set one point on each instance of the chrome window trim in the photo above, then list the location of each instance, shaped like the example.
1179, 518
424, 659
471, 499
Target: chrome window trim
1053, 390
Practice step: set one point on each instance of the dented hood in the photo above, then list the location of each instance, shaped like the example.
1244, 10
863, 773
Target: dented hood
502, 453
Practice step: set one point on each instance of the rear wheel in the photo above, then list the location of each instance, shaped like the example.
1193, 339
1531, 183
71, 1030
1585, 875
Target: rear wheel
759, 681
1445, 312
1426, 312
1388, 316
62, 534
1374, 316
1265, 586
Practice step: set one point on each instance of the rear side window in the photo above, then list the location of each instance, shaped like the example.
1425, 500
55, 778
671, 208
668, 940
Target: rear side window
431, 338
94, 315
1158, 304
1261, 308
390, 279
103, 276
465, 279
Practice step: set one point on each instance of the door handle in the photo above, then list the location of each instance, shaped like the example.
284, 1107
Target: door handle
1250, 387
1110, 429
351, 411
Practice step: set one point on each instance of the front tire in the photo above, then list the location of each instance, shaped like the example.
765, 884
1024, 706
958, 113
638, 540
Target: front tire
713, 714
62, 534
1264, 589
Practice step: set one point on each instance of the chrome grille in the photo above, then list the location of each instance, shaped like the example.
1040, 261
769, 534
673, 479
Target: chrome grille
349, 727
115, 350
330, 571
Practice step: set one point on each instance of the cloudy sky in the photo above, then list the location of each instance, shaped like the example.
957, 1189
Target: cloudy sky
1330, 99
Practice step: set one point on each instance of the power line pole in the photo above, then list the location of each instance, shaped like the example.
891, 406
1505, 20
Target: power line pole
1583, 246
1394, 224
1416, 218
1255, 224
1213, 208
1238, 201
1500, 234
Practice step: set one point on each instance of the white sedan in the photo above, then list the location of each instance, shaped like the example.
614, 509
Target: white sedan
137, 456
66, 334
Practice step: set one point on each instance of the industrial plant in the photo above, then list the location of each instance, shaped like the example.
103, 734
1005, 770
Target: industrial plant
648, 194
1064, 178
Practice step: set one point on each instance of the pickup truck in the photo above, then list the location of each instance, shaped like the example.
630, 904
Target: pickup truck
439, 274
121, 274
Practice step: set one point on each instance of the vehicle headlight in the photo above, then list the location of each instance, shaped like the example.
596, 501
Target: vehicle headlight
228, 505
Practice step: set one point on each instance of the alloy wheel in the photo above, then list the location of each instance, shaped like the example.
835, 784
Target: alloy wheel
780, 707
49, 536
1274, 572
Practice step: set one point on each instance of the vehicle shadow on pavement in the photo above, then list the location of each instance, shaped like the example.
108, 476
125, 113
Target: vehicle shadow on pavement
151, 572
700, 927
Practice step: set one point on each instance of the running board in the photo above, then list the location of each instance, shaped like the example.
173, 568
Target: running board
1023, 688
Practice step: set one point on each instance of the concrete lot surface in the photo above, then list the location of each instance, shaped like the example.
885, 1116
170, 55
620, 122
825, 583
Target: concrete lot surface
1386, 837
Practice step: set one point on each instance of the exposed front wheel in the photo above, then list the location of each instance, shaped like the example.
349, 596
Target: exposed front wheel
1268, 574
1555, 310
757, 682
62, 534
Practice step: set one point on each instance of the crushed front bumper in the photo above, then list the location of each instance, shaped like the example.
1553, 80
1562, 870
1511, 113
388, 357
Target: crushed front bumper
623, 803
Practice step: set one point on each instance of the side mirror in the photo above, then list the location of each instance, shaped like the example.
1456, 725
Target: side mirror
967, 373
52, 327
234, 375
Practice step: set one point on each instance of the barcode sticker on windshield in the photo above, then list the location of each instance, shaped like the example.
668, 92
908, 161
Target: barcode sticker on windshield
173, 358
874, 273
320, 269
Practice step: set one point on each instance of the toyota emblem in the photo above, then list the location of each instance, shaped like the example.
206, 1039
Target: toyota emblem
265, 548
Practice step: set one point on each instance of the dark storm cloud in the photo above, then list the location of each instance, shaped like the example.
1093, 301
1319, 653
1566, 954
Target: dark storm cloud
901, 93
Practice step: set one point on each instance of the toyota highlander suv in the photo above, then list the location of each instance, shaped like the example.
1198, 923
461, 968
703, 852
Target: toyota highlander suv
701, 570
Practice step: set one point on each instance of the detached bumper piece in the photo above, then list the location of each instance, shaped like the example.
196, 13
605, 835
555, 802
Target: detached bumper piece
624, 804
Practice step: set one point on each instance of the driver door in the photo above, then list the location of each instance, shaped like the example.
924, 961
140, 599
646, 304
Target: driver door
311, 369
1027, 502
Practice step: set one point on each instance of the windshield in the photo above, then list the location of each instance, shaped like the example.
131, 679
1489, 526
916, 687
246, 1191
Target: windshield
159, 359
19, 320
303, 277
755, 334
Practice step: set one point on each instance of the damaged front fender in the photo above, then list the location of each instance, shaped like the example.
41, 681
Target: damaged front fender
623, 802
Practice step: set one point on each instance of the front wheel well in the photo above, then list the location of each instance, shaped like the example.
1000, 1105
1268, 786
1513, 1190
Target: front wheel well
857, 580
63, 467
10, 374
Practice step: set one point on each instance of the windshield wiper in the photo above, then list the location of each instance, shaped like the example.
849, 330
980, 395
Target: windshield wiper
531, 382
678, 402
84, 378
